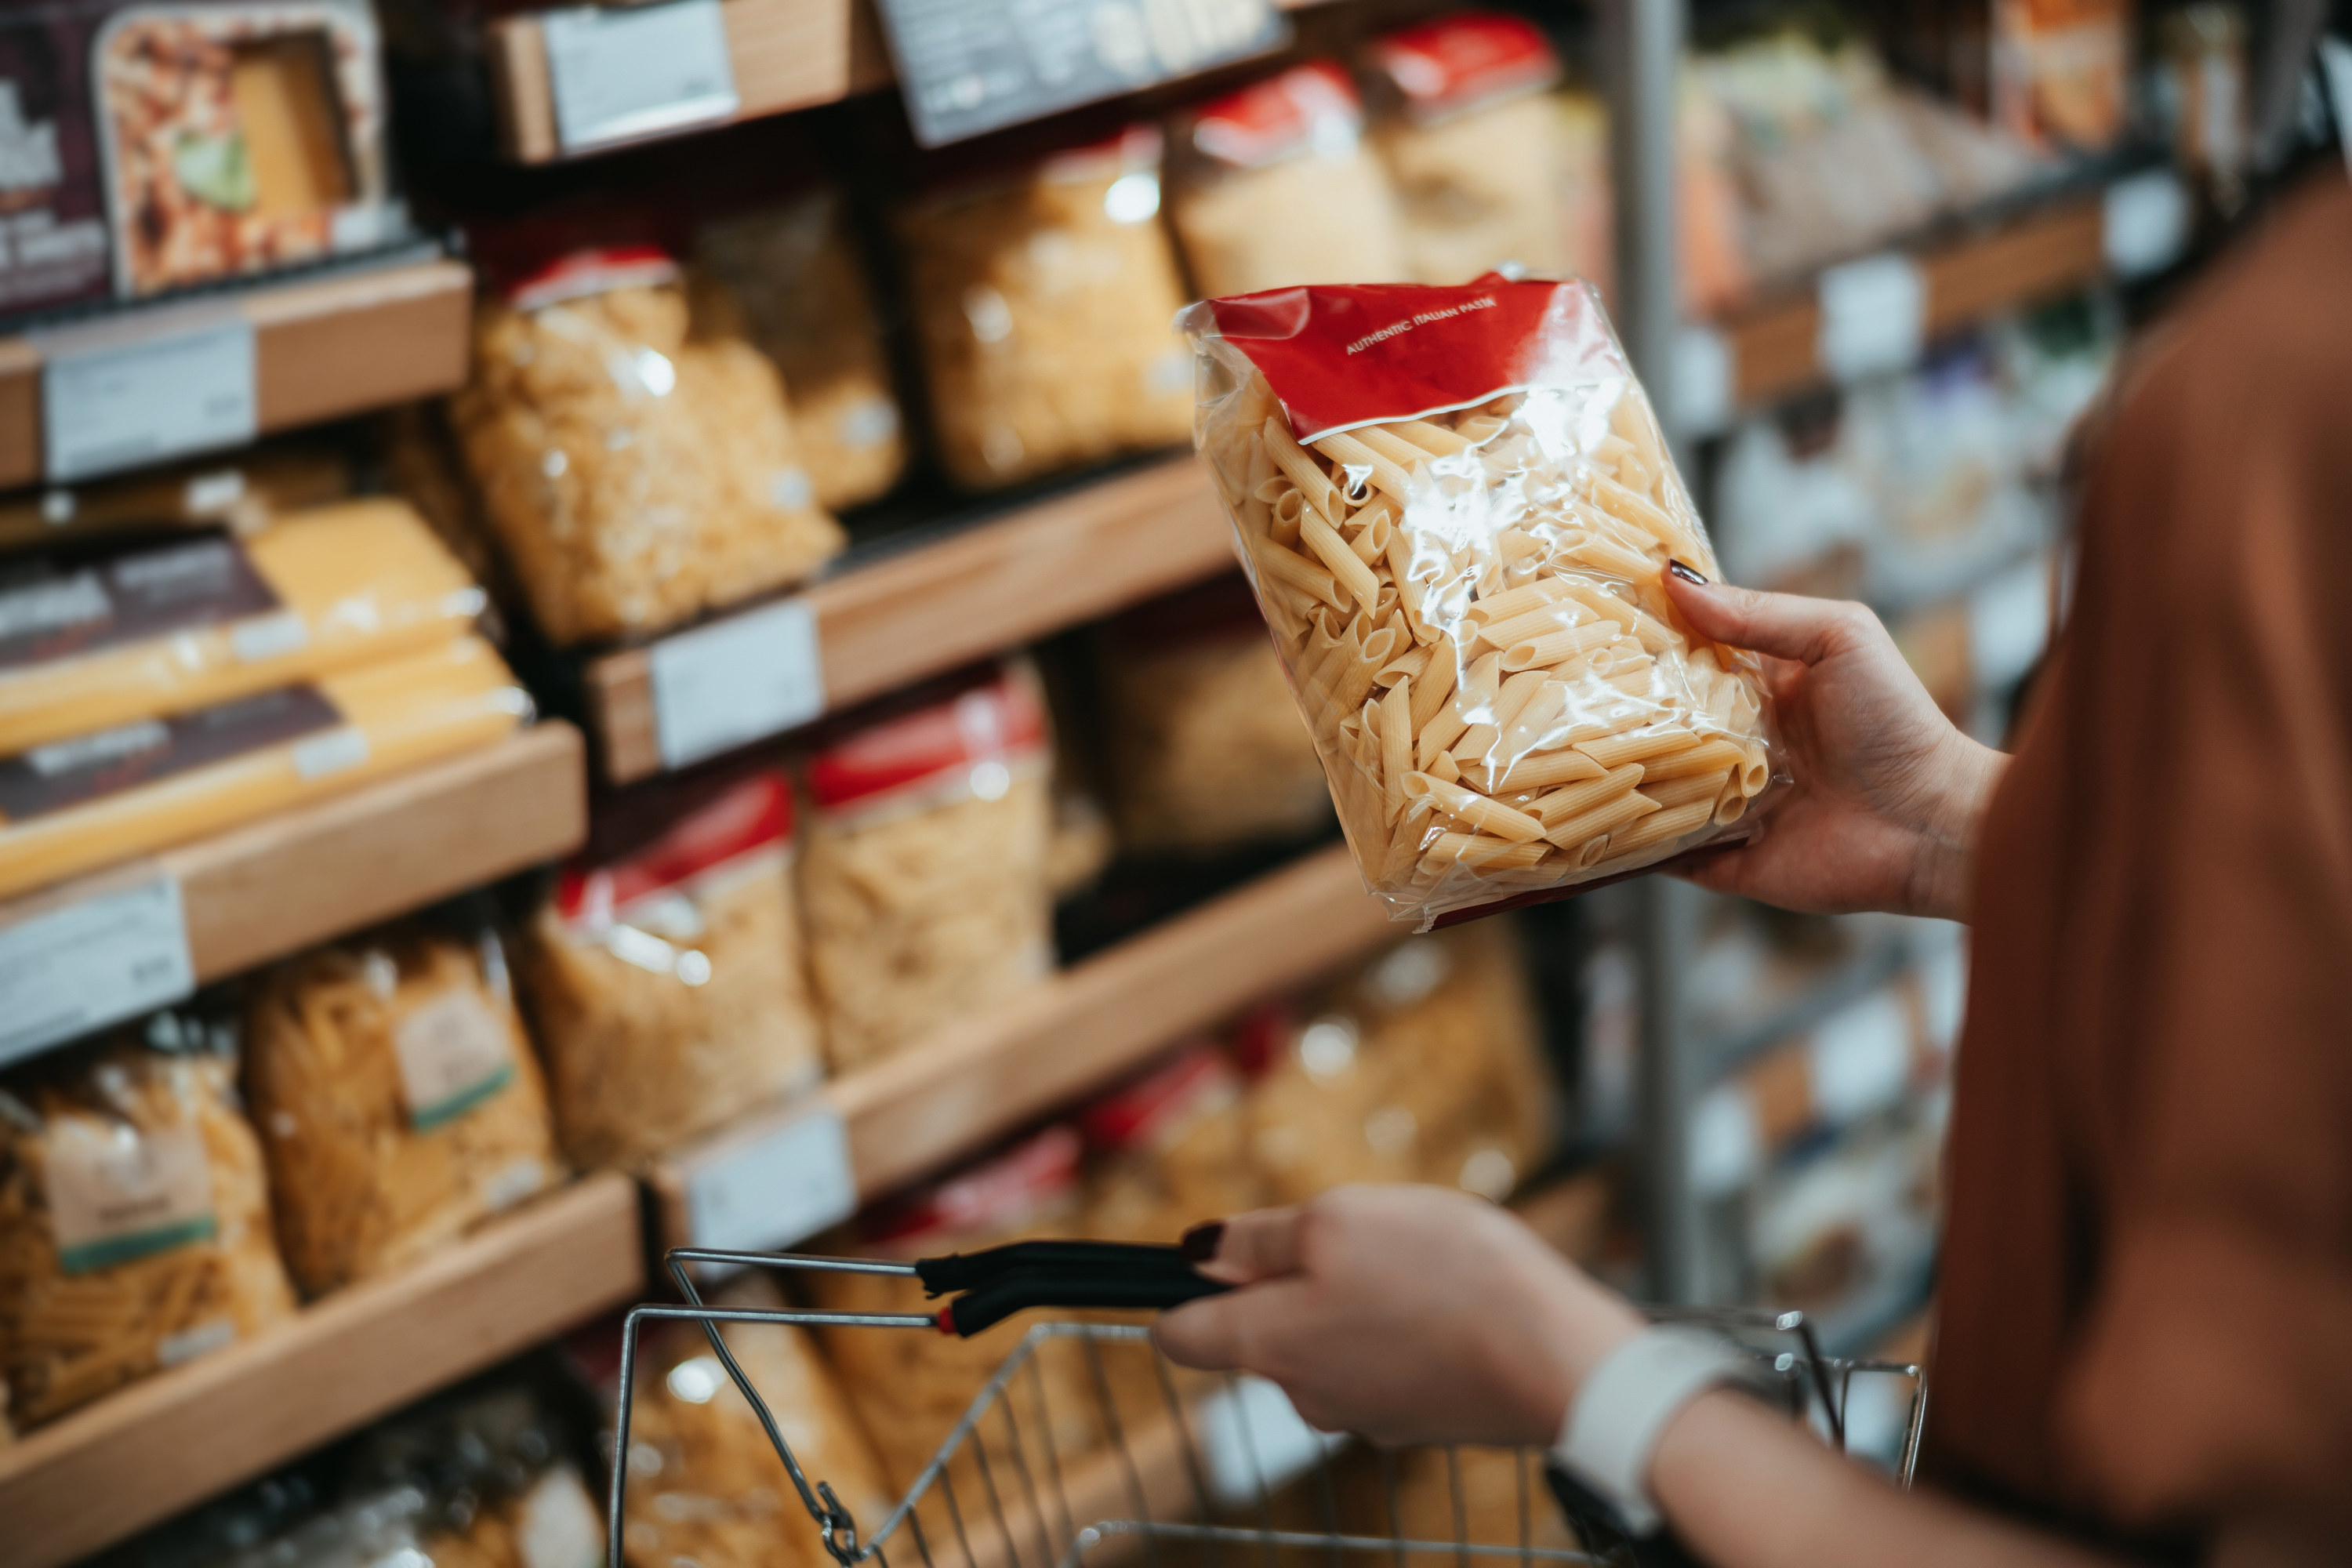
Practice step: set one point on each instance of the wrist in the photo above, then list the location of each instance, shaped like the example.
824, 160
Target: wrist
1944, 862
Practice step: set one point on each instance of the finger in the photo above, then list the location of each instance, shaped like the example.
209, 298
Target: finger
1214, 1333
1256, 1246
1783, 625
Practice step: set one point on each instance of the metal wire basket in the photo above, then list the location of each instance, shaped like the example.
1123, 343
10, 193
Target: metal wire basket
1088, 1446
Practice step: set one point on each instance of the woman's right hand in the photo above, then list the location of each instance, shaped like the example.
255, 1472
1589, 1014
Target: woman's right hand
1888, 792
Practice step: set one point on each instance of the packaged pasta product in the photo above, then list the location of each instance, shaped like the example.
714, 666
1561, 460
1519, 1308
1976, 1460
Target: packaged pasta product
705, 1486
136, 628
1455, 506
1041, 305
795, 276
397, 1098
1206, 748
1473, 149
636, 473
910, 1388
243, 490
73, 804
1170, 1149
923, 876
1420, 1066
134, 1216
665, 975
500, 1469
1277, 188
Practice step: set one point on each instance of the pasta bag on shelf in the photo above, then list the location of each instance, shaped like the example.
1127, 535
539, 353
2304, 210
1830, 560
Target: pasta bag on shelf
1169, 1150
1474, 147
1041, 304
796, 276
1277, 188
665, 975
1206, 748
636, 472
397, 1098
923, 875
1457, 507
134, 1216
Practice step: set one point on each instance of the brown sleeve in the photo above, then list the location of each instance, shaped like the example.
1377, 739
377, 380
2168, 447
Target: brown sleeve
2205, 1034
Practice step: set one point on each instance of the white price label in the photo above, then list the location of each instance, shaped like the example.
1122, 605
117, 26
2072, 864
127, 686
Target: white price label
97, 961
1859, 1059
1873, 316
1253, 1441
2144, 223
1704, 381
111, 400
775, 1190
625, 73
736, 680
1726, 1146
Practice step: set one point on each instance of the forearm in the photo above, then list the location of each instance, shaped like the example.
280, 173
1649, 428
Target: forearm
1743, 1487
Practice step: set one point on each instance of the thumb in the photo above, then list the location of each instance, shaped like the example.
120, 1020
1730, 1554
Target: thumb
1784, 626
1247, 1248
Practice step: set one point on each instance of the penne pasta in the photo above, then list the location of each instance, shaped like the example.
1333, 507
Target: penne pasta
1659, 827
1608, 816
1639, 747
1709, 756
1693, 787
1489, 815
1288, 567
1480, 849
1301, 468
1433, 439
1384, 473
1541, 771
1584, 795
1396, 743
1556, 649
1352, 574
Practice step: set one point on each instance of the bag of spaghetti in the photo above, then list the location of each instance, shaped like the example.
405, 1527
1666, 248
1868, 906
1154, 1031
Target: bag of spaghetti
1206, 748
924, 871
1040, 301
1457, 508
134, 1216
397, 1097
665, 975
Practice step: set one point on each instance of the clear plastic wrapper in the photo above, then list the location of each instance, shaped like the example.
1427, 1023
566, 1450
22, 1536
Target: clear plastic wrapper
923, 871
665, 975
1473, 150
637, 473
1278, 188
1041, 305
74, 805
1462, 565
135, 628
500, 1469
795, 276
397, 1098
134, 1216
1421, 1066
1206, 748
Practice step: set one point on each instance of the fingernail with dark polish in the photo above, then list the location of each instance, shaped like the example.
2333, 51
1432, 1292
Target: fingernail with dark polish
1687, 574
1200, 1243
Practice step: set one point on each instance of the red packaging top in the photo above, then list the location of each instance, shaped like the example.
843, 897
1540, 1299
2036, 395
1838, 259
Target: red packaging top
1463, 62
1133, 1112
995, 1195
1313, 105
752, 815
1260, 1036
1340, 355
996, 722
592, 271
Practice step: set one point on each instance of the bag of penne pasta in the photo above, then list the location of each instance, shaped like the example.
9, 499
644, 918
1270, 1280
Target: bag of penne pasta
1455, 507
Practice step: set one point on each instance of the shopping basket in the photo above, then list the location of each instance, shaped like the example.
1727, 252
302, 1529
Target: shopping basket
1088, 1445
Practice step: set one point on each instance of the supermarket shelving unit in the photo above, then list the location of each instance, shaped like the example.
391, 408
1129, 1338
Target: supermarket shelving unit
144, 1452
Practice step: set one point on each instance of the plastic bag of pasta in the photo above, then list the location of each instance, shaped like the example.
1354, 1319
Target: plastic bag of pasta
397, 1098
134, 1216
1170, 1149
636, 473
665, 975
923, 874
1041, 303
1455, 507
795, 276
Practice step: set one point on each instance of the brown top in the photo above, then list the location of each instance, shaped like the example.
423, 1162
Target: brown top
2145, 1321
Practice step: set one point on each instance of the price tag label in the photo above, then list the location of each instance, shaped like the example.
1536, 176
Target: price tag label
2144, 223
1704, 381
971, 65
772, 1191
1726, 1146
1252, 1437
1873, 316
112, 397
620, 75
1859, 1059
67, 971
736, 680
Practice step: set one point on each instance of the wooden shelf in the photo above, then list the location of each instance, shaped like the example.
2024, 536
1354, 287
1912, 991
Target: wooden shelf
324, 347
150, 1450
2025, 261
909, 1116
988, 587
282, 884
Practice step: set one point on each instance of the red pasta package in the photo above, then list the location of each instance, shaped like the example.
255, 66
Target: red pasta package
1455, 506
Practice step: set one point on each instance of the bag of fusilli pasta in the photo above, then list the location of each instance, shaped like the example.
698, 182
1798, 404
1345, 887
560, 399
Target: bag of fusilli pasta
1455, 506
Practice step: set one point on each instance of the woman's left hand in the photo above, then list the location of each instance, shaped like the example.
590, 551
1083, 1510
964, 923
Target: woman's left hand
1403, 1314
